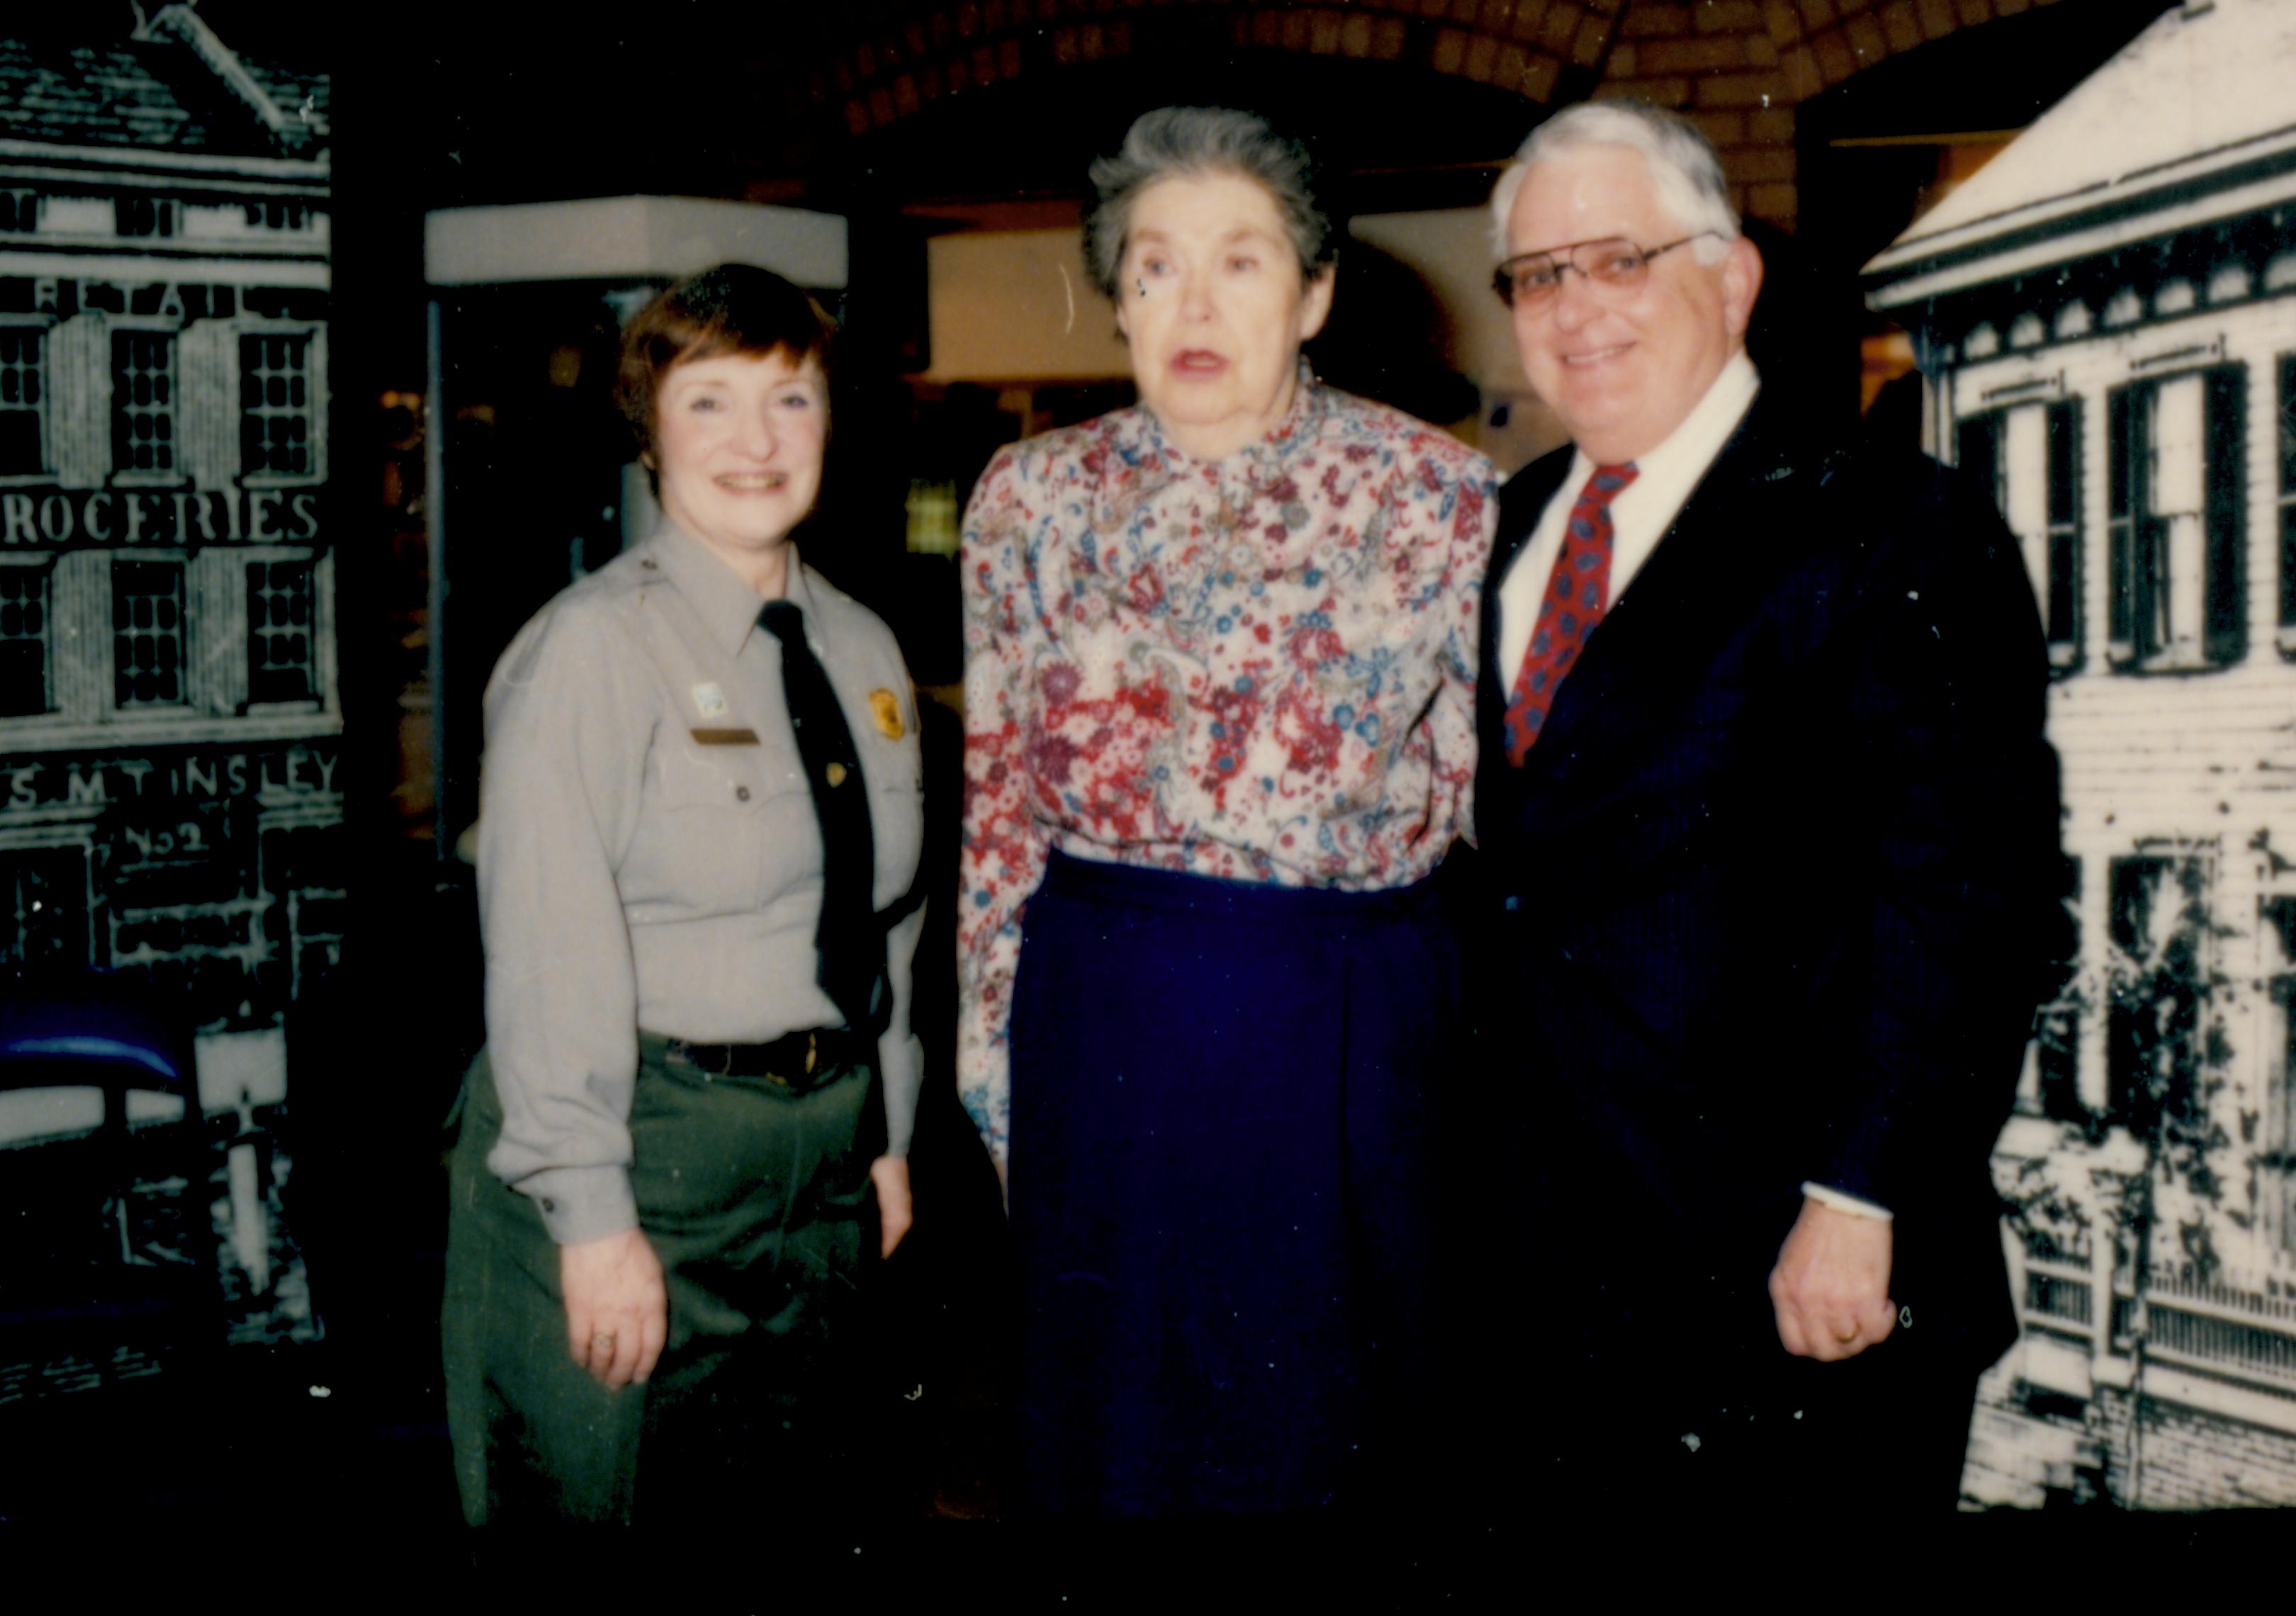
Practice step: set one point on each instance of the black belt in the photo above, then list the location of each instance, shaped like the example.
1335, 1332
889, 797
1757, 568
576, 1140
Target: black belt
797, 1061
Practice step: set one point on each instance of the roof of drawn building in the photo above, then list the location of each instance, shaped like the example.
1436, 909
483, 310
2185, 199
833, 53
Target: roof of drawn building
2202, 90
156, 93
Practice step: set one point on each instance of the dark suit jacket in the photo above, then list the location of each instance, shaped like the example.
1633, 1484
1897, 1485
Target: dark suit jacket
1770, 900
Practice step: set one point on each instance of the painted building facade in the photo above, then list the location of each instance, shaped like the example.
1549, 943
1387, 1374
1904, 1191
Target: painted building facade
168, 708
2105, 317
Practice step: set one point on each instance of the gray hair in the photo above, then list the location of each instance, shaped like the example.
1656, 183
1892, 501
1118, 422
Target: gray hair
1683, 168
1171, 142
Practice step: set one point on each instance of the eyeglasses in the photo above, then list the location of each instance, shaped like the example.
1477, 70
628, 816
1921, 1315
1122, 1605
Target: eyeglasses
1615, 266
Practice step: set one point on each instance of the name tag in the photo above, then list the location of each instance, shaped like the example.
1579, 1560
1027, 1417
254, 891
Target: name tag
725, 737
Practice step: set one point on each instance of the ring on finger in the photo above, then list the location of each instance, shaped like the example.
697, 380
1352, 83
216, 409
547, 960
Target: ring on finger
604, 1342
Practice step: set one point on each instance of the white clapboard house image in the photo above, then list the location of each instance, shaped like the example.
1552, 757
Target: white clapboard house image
2105, 317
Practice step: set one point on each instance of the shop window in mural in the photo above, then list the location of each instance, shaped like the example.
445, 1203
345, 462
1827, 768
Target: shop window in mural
302, 932
282, 653
147, 634
26, 680
23, 401
144, 401
44, 902
275, 425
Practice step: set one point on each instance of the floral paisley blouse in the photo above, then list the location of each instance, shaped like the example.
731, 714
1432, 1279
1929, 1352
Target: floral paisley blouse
1257, 668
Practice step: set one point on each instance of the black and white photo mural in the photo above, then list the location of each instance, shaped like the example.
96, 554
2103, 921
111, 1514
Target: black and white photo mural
169, 810
2105, 317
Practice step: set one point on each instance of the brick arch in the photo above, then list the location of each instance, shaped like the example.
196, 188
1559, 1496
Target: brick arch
1738, 68
907, 57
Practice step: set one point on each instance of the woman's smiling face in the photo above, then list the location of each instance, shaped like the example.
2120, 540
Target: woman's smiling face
738, 441
1210, 299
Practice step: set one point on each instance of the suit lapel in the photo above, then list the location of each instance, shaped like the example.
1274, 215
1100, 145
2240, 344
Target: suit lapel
1714, 554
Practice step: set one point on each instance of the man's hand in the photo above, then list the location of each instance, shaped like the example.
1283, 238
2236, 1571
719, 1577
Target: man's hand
616, 1310
1830, 1287
891, 1175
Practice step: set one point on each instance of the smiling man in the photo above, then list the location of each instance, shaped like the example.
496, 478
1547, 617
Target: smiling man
1771, 829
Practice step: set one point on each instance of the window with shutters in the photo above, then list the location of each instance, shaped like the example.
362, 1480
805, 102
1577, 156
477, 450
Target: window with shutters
282, 659
23, 400
277, 427
2161, 969
2029, 456
2057, 1032
2277, 912
144, 392
147, 634
2177, 448
27, 617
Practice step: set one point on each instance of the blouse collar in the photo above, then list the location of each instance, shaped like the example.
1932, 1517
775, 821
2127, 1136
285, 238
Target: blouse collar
1310, 401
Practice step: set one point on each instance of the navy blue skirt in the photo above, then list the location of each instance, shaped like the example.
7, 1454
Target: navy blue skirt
1221, 1192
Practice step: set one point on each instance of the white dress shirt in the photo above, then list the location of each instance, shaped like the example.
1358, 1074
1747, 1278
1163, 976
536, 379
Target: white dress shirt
1640, 516
1640, 513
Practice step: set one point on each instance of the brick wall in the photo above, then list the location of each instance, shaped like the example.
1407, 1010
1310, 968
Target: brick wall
2112, 1414
2156, 1455
1739, 68
2187, 1459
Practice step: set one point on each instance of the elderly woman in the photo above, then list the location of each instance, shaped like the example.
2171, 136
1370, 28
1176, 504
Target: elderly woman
701, 814
1219, 710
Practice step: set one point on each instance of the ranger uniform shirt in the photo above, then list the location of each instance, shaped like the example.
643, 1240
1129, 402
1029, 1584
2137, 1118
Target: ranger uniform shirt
649, 854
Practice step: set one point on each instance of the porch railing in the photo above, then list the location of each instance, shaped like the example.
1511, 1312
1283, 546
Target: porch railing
2221, 1330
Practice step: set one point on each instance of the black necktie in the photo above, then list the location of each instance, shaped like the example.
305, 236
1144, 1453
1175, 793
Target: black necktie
852, 948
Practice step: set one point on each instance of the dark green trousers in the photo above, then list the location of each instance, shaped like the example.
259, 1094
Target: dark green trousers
758, 1203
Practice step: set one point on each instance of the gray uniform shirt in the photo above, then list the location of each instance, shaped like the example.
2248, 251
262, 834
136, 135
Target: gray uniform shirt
642, 862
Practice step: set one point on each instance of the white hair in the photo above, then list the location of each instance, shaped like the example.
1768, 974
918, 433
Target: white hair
1683, 170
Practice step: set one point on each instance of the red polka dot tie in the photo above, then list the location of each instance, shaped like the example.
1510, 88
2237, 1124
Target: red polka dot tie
1577, 593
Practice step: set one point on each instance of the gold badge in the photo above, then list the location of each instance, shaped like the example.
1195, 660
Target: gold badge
887, 707
836, 773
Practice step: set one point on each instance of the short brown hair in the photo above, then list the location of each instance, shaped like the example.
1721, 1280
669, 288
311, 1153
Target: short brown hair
735, 308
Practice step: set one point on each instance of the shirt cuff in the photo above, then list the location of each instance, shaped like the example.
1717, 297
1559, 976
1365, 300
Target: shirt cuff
1840, 1201
582, 1203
